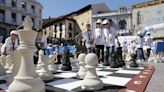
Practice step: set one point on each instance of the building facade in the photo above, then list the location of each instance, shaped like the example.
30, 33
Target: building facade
67, 26
13, 12
120, 19
148, 14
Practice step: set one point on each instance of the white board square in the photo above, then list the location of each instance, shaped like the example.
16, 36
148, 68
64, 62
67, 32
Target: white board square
119, 81
67, 84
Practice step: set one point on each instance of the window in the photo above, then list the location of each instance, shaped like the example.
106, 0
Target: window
13, 3
2, 1
70, 27
55, 30
40, 12
70, 35
23, 17
40, 23
23, 5
33, 8
33, 21
2, 15
122, 24
13, 16
138, 18
61, 26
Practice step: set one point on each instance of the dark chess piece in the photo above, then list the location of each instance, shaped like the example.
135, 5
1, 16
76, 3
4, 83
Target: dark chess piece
119, 57
66, 64
133, 60
113, 63
106, 61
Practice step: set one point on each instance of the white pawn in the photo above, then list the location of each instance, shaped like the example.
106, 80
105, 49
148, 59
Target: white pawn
44, 73
52, 67
91, 80
82, 70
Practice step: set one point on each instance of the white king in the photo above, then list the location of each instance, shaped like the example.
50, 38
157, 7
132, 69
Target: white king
27, 79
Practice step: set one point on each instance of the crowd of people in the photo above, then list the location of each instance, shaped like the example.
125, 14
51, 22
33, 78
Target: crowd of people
102, 40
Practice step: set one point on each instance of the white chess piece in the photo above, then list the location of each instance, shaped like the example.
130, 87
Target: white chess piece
8, 62
27, 80
44, 73
15, 66
91, 80
52, 67
3, 60
82, 70
2, 70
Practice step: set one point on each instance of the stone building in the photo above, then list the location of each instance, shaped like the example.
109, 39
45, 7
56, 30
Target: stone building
120, 19
13, 12
148, 14
69, 25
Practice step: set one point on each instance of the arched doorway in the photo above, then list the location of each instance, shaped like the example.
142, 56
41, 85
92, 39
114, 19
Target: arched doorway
122, 24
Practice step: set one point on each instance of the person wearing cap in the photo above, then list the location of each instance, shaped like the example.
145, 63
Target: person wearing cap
41, 40
140, 43
110, 36
148, 43
11, 43
99, 40
88, 38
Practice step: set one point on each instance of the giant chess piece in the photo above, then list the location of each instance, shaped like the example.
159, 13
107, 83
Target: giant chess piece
66, 64
119, 58
82, 70
113, 63
2, 70
27, 80
91, 80
16, 65
8, 62
3, 60
2, 64
106, 61
133, 60
44, 73
52, 67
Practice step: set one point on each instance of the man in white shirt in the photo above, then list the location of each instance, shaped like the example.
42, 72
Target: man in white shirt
11, 43
99, 40
41, 40
140, 42
110, 36
148, 43
88, 38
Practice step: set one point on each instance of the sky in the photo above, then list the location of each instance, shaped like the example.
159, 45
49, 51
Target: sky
55, 8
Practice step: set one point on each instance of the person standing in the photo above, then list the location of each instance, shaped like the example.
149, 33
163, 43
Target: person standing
148, 43
99, 40
140, 42
11, 43
41, 40
88, 37
110, 36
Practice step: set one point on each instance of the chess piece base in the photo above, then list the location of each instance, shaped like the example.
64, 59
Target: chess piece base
27, 85
66, 68
92, 84
133, 64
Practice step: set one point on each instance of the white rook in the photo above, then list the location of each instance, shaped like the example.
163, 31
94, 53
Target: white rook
27, 80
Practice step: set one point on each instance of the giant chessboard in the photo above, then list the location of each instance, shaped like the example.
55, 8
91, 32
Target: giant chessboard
123, 79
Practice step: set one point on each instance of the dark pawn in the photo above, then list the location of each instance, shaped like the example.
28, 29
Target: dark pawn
106, 61
113, 63
119, 56
66, 64
133, 60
